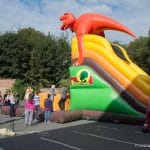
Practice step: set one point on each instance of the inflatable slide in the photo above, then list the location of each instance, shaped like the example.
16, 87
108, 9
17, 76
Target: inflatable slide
108, 80
103, 78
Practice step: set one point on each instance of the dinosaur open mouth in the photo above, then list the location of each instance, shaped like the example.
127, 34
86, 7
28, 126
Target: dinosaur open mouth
63, 27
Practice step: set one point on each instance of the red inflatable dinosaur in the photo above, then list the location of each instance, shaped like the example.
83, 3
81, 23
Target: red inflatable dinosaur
90, 23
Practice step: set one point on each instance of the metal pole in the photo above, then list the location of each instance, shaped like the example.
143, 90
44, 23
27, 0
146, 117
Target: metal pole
13, 126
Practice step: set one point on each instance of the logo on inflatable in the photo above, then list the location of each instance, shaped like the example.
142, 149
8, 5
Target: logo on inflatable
83, 77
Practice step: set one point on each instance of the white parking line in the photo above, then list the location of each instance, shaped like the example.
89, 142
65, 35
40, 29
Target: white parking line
106, 138
118, 129
27, 132
60, 143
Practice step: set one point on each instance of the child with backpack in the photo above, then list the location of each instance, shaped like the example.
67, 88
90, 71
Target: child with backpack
47, 108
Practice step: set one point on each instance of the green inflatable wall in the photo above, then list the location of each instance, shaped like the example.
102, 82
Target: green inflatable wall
89, 91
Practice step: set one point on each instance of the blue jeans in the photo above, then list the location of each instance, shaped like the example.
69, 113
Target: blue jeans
47, 115
37, 109
12, 110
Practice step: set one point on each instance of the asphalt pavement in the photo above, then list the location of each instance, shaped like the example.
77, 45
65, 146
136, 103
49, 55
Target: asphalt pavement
77, 135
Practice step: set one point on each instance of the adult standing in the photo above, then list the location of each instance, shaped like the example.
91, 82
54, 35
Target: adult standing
1, 102
52, 92
63, 97
17, 97
12, 104
7, 98
146, 127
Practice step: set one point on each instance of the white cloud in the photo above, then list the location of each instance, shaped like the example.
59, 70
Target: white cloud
43, 15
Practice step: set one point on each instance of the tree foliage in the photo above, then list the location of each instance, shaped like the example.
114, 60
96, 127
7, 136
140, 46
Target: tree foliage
139, 51
33, 57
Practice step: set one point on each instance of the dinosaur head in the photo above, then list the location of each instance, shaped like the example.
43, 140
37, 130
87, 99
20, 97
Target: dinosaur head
68, 20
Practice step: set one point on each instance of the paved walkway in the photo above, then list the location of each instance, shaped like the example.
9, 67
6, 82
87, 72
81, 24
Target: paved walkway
16, 124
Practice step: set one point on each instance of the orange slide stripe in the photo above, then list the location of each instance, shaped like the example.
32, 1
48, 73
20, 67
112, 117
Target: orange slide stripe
116, 74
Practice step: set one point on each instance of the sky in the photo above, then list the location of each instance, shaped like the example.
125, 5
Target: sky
43, 15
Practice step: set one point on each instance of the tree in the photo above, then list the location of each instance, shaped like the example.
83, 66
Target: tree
33, 57
50, 60
139, 51
15, 53
7, 52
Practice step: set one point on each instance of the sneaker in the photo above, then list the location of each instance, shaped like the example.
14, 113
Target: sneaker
29, 123
48, 122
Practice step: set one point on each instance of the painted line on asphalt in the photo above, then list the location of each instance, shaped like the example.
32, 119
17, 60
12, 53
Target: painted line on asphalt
118, 129
60, 143
106, 138
27, 132
34, 132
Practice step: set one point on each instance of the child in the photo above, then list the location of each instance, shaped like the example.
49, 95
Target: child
47, 108
29, 110
37, 104
146, 127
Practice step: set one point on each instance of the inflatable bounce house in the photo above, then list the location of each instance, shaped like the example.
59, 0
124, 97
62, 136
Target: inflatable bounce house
105, 83
104, 80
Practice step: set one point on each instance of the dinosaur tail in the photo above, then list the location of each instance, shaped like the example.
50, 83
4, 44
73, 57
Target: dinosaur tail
111, 24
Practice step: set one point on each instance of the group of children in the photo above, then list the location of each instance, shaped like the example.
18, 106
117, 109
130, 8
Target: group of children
32, 104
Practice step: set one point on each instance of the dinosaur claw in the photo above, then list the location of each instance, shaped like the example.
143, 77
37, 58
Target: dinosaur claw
77, 63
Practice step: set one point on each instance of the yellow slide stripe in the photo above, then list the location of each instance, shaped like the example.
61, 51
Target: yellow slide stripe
100, 54
102, 47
